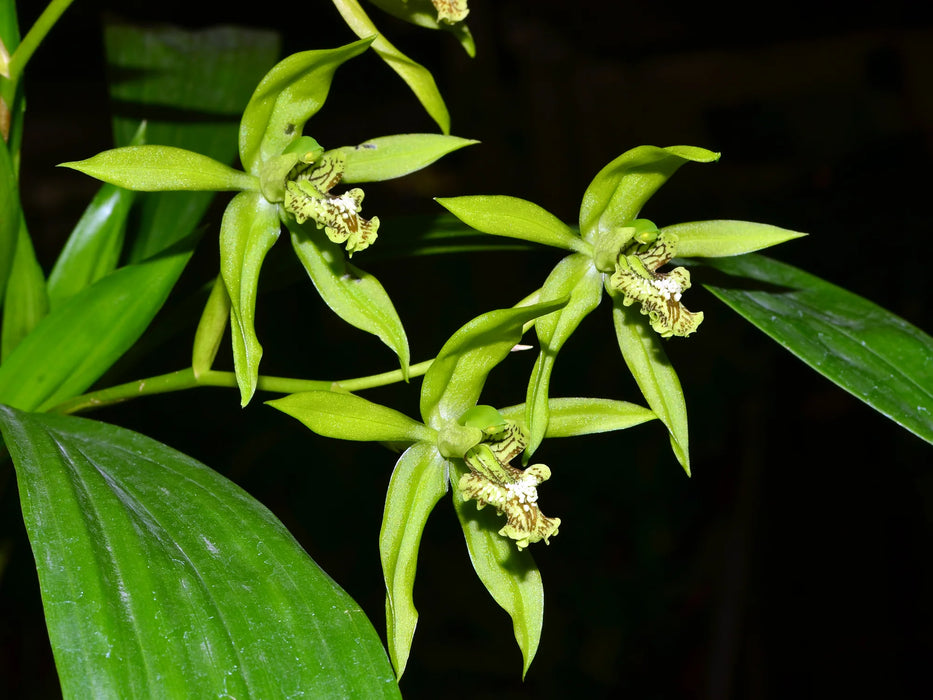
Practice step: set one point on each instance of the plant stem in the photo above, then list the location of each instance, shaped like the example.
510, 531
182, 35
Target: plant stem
186, 379
34, 37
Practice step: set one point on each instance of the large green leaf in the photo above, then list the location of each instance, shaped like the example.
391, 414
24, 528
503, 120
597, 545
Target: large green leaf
160, 578
190, 87
871, 353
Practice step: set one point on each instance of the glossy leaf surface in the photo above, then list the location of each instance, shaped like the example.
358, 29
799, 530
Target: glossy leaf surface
75, 344
868, 351
160, 578
93, 248
26, 302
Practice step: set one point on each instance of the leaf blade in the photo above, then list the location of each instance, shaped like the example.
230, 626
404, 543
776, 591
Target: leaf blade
161, 578
874, 355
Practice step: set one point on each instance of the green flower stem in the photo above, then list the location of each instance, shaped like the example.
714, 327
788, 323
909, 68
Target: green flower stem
34, 37
185, 379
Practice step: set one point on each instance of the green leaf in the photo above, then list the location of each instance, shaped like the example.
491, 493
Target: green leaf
161, 578
720, 238
389, 157
417, 77
191, 88
290, 94
26, 301
349, 417
871, 353
10, 220
77, 342
509, 574
249, 229
619, 191
455, 380
93, 248
646, 360
576, 277
211, 327
513, 218
354, 295
570, 417
149, 168
418, 483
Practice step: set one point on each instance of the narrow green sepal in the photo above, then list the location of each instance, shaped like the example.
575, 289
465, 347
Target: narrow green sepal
455, 380
645, 358
509, 574
571, 417
418, 482
722, 238
512, 217
150, 168
619, 191
287, 96
350, 417
249, 228
211, 327
389, 157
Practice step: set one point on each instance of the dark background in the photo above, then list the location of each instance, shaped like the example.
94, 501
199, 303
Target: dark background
797, 560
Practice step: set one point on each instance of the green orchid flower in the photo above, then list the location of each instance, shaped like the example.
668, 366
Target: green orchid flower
615, 251
467, 449
288, 179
